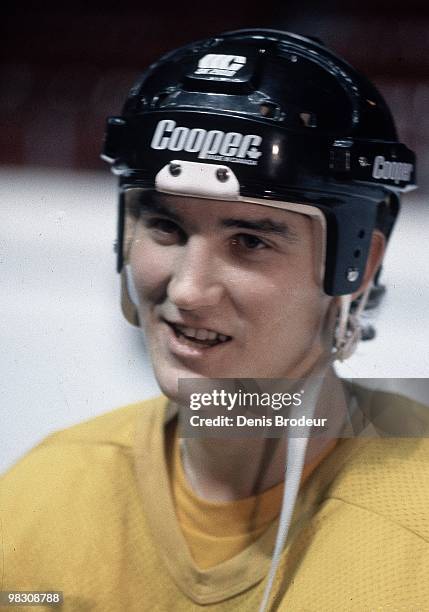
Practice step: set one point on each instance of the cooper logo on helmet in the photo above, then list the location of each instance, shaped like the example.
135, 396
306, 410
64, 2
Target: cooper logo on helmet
395, 171
209, 144
220, 65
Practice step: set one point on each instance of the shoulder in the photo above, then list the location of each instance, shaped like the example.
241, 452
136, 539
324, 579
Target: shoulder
370, 529
60, 500
388, 476
72, 454
366, 545
116, 427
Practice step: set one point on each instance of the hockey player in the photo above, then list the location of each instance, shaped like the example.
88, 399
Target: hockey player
260, 178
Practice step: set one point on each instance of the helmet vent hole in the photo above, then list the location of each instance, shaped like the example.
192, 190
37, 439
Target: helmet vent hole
356, 253
267, 109
161, 99
361, 234
308, 119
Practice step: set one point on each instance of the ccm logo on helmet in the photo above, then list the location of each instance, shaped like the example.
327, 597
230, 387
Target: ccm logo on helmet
220, 65
209, 144
396, 171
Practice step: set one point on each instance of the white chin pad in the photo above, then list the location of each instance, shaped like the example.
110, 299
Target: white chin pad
131, 288
198, 180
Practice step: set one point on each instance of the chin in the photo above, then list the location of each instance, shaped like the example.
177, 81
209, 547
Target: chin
168, 380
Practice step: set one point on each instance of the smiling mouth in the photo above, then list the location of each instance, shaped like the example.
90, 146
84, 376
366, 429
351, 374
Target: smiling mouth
198, 337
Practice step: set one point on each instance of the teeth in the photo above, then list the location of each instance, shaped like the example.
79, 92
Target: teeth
200, 334
188, 331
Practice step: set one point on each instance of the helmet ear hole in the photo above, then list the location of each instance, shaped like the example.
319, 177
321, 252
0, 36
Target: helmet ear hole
268, 109
308, 119
387, 212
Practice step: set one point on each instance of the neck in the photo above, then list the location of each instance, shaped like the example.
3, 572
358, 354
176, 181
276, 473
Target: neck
223, 470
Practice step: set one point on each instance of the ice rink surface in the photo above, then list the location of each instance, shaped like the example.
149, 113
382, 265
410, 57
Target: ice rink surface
68, 355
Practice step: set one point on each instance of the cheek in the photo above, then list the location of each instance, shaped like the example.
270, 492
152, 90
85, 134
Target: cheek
290, 304
150, 268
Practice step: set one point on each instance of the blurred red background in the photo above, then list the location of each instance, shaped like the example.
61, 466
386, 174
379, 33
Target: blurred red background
64, 68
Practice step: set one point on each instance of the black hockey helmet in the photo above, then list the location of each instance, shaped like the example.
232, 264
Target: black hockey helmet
269, 115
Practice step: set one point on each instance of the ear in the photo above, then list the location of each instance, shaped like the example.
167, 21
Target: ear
375, 257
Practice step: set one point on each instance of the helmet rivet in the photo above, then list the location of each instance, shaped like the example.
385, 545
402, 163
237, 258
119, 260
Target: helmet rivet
293, 58
116, 121
175, 169
222, 175
352, 274
363, 161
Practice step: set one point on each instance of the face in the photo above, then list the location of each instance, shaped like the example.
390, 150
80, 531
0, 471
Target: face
227, 289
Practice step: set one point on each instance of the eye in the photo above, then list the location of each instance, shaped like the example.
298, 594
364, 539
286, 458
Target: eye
249, 242
163, 225
164, 231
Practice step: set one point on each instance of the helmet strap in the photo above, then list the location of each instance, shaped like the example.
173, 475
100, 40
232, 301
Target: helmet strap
349, 328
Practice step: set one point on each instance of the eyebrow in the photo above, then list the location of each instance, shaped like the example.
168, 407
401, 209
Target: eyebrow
150, 205
265, 225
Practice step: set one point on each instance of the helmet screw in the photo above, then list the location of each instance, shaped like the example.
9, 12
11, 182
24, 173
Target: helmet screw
116, 121
175, 169
222, 175
363, 162
352, 274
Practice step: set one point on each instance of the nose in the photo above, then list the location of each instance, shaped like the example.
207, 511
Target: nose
195, 282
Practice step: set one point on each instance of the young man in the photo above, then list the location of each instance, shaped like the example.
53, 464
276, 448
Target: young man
259, 182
